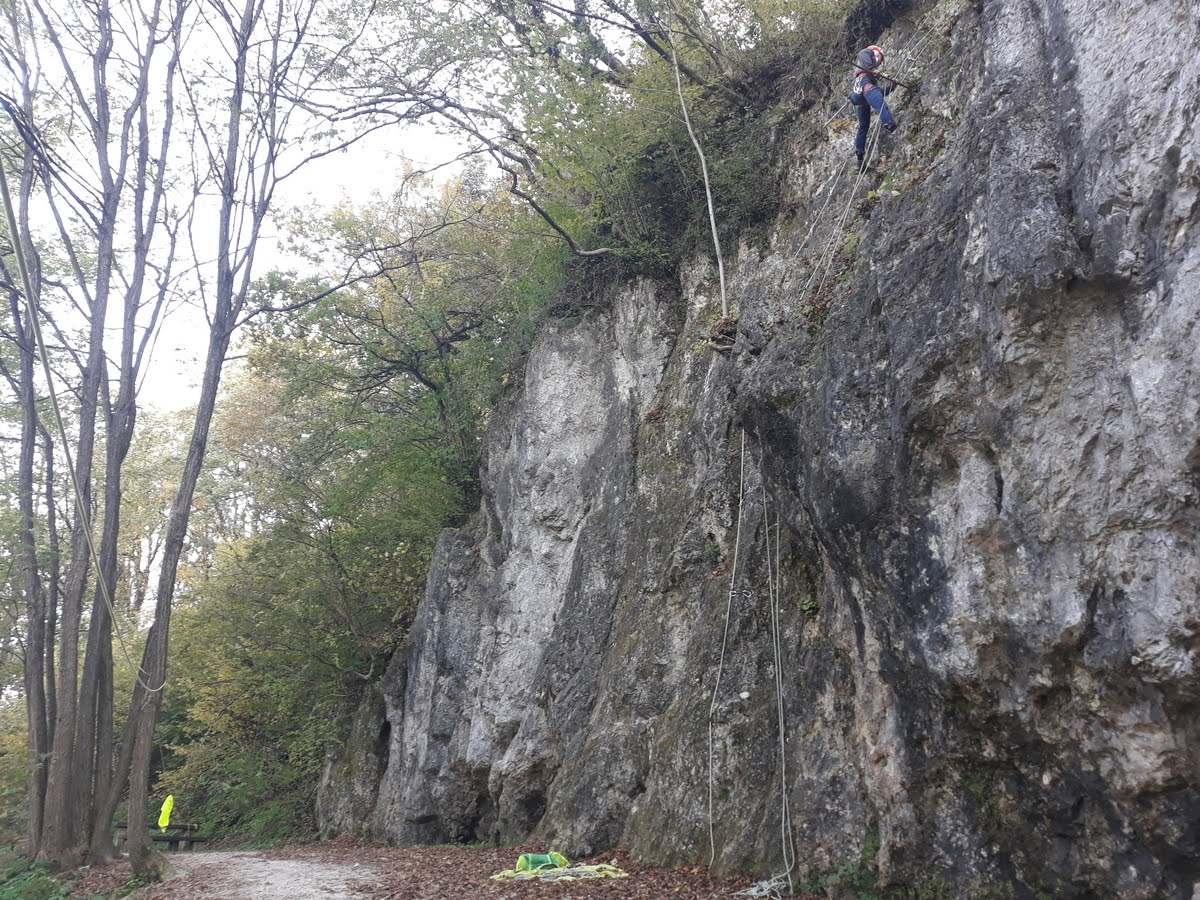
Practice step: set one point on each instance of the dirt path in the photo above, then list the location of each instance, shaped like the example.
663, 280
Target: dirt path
246, 875
358, 870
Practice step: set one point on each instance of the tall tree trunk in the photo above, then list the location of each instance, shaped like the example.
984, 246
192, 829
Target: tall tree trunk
53, 585
143, 717
94, 735
99, 739
62, 831
34, 662
35, 601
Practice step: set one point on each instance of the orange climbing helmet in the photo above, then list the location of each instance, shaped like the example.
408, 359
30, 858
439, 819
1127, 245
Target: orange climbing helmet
878, 55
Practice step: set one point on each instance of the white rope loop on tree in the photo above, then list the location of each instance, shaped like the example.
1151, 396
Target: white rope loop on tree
712, 214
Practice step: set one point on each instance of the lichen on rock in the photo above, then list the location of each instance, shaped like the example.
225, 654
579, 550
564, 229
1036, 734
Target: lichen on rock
965, 512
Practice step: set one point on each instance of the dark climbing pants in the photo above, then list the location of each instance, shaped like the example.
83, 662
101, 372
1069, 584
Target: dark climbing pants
873, 96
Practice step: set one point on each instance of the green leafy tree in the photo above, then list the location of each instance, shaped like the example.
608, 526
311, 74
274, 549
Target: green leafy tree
355, 429
569, 99
145, 129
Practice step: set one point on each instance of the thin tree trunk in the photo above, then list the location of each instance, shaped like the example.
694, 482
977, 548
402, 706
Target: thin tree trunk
62, 830
38, 740
101, 844
152, 678
53, 586
35, 603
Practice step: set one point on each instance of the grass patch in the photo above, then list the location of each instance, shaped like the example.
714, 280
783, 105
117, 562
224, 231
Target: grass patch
23, 879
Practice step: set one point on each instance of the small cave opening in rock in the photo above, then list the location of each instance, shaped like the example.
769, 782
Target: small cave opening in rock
383, 739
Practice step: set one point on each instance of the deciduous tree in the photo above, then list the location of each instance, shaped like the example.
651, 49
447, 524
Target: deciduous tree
156, 130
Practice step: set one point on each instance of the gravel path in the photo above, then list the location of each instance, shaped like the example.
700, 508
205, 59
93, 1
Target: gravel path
246, 875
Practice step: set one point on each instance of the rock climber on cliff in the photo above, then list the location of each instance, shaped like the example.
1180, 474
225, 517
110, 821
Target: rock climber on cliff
867, 95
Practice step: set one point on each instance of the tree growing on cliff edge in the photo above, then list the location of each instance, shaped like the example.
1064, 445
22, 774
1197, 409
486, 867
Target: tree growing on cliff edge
577, 104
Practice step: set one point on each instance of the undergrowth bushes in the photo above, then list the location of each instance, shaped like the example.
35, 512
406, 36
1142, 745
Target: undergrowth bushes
630, 169
21, 879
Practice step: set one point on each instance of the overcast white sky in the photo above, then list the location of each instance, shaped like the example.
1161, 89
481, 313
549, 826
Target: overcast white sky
364, 172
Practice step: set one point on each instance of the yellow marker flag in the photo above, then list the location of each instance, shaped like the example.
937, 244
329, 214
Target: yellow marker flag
164, 817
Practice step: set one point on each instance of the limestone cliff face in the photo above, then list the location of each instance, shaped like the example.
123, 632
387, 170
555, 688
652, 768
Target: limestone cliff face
936, 513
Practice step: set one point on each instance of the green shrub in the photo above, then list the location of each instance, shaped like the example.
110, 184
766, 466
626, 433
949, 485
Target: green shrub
21, 879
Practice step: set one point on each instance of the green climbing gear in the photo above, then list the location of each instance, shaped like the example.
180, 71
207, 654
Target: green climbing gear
555, 867
535, 862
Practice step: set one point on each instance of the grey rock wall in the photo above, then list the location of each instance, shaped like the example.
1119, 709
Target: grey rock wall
966, 505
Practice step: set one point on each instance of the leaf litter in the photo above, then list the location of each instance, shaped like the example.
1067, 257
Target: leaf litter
355, 869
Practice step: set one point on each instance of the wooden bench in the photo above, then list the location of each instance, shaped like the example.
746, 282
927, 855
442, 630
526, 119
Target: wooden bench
177, 837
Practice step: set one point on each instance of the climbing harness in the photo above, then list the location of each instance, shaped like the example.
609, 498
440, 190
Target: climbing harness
863, 83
